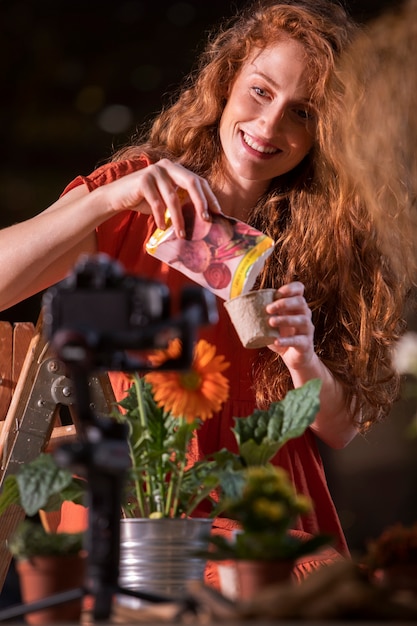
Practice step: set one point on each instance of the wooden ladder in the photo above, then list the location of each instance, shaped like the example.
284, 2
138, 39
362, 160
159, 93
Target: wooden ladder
34, 388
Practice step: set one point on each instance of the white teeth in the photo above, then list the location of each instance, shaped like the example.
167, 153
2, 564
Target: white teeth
255, 146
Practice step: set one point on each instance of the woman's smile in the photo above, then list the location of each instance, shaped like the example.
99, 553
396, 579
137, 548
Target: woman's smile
258, 145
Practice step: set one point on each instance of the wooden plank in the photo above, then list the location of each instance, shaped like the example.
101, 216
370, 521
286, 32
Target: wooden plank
22, 392
33, 412
9, 434
22, 336
6, 382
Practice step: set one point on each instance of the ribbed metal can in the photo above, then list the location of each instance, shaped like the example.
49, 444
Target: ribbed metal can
158, 556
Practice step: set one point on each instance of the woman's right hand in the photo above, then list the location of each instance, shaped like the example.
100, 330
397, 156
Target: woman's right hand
153, 190
41, 250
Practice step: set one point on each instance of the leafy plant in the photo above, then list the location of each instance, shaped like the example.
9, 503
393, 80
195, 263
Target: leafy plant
41, 485
266, 507
161, 485
31, 539
163, 411
263, 433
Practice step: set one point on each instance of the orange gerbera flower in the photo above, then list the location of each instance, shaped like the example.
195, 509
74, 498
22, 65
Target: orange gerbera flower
196, 393
173, 351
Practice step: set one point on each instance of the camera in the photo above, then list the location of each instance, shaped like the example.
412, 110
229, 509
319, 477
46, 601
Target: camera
105, 311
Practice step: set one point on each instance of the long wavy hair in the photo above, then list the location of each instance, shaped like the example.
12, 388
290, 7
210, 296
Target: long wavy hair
324, 236
379, 75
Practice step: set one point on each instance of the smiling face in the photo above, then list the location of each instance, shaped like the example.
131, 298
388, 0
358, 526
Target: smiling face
267, 126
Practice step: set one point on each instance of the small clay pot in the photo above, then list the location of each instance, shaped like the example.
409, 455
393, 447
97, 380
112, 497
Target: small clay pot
250, 318
42, 576
254, 576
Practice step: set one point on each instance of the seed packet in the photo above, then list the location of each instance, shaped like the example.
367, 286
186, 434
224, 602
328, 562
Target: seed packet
224, 255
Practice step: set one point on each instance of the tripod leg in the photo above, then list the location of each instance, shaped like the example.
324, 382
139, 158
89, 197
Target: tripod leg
40, 605
103, 600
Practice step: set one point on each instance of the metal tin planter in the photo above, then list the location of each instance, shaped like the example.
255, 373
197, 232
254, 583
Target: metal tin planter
158, 556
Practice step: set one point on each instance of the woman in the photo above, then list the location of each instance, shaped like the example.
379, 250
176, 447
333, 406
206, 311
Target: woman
245, 136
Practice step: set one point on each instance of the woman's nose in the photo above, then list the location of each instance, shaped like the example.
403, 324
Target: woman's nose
273, 118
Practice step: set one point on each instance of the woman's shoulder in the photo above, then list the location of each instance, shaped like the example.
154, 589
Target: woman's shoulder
109, 172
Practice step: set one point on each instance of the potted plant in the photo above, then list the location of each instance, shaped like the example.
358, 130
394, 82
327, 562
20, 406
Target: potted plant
163, 411
263, 551
46, 562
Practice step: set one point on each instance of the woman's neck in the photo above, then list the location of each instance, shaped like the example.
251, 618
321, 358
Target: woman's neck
237, 201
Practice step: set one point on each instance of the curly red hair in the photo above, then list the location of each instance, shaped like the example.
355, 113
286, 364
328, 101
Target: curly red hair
324, 235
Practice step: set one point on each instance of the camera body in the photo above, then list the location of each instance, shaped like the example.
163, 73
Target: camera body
100, 297
108, 312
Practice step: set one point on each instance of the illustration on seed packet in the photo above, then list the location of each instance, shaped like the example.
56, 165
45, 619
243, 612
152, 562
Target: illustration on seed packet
224, 255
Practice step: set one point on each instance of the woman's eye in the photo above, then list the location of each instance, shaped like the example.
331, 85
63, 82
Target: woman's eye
304, 114
259, 91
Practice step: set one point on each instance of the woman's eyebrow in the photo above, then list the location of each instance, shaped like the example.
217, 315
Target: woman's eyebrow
302, 100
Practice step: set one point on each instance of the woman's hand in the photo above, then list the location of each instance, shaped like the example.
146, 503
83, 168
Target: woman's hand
154, 189
291, 315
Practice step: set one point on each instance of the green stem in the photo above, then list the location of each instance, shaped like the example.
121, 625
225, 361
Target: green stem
168, 500
180, 461
140, 495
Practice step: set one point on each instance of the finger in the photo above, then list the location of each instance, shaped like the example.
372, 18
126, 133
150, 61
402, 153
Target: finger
154, 201
213, 203
160, 191
291, 289
298, 320
300, 342
289, 305
199, 190
202, 197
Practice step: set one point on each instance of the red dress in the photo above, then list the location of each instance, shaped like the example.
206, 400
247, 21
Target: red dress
123, 237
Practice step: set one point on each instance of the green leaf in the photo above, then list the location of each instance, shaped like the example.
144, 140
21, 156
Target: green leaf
264, 546
30, 539
262, 434
158, 444
10, 494
39, 482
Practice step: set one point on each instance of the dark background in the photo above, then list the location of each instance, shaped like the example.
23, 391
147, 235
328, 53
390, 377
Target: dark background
76, 78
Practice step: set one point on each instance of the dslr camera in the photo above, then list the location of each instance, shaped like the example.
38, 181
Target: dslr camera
101, 311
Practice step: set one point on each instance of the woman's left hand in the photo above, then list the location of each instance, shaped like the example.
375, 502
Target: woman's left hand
291, 315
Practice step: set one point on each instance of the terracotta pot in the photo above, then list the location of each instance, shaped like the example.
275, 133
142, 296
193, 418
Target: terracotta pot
43, 576
254, 576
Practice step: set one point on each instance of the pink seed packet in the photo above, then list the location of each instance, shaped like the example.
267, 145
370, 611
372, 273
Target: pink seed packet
224, 255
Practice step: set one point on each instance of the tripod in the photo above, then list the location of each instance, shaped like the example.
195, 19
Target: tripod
101, 452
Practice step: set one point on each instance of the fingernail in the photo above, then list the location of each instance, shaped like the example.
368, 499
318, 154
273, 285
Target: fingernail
181, 234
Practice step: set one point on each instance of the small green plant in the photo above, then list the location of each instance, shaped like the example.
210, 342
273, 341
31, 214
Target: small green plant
31, 539
41, 486
266, 507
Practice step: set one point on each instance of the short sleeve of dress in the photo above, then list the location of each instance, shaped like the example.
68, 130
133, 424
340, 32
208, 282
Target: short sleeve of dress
111, 235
